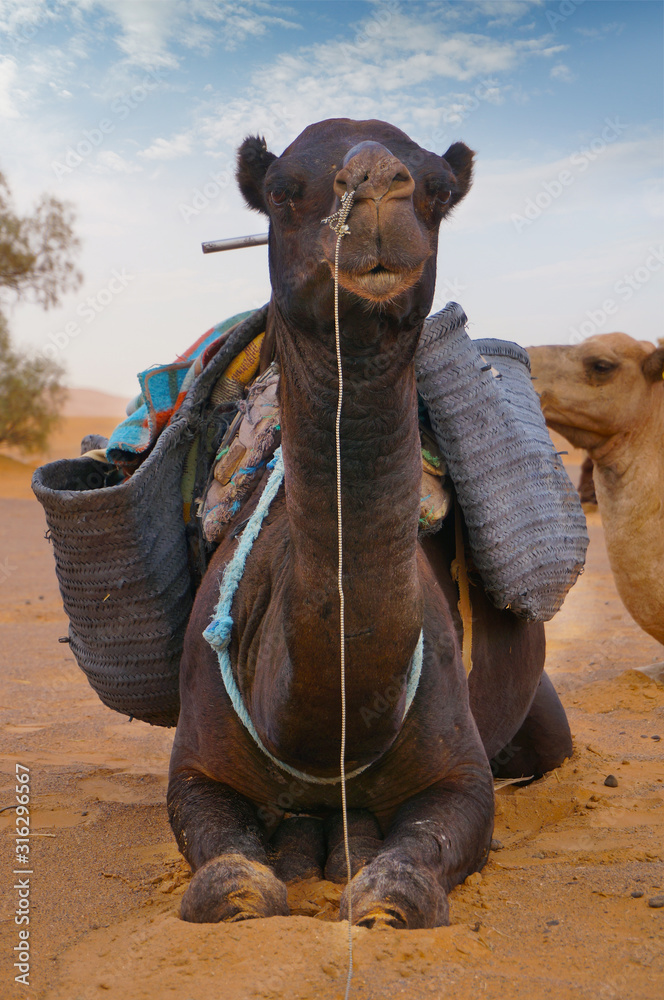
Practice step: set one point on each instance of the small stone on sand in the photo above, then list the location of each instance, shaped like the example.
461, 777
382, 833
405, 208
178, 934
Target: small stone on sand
656, 901
637, 893
611, 781
496, 845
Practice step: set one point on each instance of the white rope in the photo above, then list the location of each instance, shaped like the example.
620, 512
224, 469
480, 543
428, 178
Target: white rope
337, 222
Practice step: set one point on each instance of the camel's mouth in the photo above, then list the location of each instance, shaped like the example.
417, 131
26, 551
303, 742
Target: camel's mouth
379, 283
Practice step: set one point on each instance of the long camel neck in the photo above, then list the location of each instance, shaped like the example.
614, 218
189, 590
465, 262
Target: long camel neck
629, 481
380, 496
623, 457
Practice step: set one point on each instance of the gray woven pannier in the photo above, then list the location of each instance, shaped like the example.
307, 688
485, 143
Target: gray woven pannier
124, 564
123, 561
526, 527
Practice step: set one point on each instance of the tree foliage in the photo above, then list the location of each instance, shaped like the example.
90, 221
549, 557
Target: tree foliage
31, 397
36, 264
36, 250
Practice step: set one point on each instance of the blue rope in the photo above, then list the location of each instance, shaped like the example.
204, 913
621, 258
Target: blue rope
218, 632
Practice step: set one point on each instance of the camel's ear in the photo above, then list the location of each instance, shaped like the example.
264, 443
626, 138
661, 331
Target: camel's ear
460, 159
253, 159
653, 366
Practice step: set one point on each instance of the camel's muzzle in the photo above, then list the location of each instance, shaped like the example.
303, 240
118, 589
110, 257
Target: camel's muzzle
373, 173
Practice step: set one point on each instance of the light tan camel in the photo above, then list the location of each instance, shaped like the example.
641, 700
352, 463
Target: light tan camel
607, 395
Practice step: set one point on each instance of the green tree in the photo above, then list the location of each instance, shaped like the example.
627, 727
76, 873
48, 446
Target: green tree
31, 397
36, 264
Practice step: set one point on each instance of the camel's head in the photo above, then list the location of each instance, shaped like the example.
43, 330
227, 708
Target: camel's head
599, 388
401, 194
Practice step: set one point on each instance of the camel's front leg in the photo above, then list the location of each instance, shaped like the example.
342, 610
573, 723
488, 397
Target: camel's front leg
218, 833
436, 839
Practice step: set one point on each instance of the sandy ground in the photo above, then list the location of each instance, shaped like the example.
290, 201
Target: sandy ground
561, 908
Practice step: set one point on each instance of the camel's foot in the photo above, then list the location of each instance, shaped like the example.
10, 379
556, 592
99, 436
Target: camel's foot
297, 849
231, 888
364, 843
362, 850
393, 892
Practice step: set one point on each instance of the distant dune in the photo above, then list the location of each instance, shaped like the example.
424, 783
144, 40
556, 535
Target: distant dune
91, 403
86, 411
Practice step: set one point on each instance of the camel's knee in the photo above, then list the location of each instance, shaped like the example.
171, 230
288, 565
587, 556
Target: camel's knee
542, 743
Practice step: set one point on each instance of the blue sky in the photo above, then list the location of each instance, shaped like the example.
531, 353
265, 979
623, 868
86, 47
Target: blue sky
132, 110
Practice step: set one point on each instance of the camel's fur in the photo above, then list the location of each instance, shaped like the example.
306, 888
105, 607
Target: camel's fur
428, 789
607, 395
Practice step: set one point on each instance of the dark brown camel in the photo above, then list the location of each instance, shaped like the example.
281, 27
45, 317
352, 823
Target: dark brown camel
421, 815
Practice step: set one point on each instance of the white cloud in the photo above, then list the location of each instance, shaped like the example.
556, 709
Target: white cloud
653, 196
7, 75
145, 30
613, 28
492, 12
60, 91
582, 271
367, 76
148, 28
110, 162
504, 189
21, 21
563, 73
168, 149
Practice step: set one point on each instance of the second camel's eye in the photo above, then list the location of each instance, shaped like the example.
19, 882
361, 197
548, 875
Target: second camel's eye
602, 366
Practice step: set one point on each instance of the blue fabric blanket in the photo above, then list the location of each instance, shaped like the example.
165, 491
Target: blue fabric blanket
163, 388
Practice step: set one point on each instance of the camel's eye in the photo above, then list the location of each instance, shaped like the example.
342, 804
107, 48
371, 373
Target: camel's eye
444, 197
601, 366
279, 196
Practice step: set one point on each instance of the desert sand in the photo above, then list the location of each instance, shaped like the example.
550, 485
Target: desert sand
561, 909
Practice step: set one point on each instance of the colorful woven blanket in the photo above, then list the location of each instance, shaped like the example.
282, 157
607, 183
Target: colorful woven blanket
163, 389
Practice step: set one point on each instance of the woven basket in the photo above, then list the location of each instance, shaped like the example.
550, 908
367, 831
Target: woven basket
526, 527
123, 561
